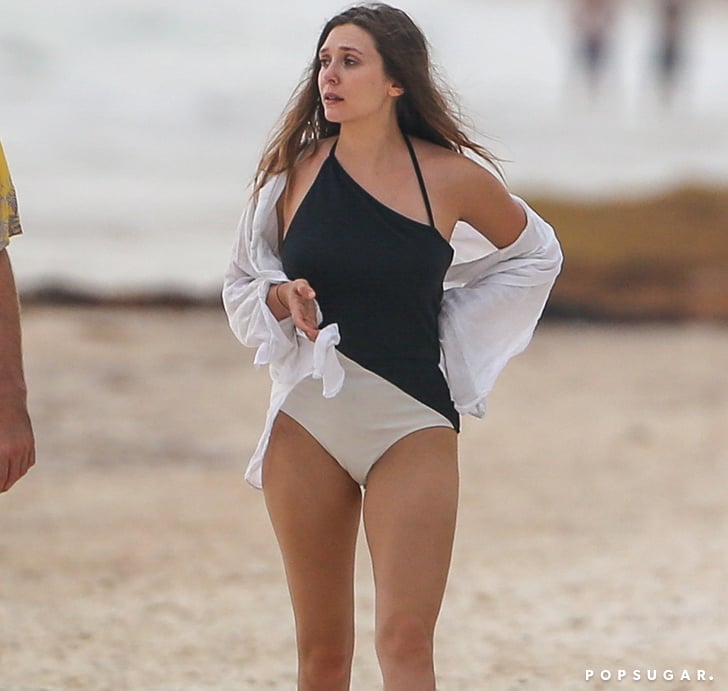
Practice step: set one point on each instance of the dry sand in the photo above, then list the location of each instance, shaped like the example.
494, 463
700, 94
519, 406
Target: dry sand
592, 535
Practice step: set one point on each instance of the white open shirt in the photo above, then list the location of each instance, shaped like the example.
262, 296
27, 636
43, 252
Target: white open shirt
492, 301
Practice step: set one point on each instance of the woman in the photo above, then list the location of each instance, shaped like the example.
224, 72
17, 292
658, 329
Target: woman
337, 278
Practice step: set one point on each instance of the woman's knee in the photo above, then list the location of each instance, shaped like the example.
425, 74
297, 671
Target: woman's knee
325, 665
404, 638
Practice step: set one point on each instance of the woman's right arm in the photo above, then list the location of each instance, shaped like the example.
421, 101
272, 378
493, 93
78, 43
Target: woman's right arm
248, 280
255, 316
295, 299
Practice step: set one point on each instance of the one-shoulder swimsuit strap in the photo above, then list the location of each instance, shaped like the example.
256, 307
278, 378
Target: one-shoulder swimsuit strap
418, 172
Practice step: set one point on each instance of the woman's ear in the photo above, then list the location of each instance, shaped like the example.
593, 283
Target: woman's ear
395, 90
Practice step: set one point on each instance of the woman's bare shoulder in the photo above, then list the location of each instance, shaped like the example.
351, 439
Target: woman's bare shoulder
453, 166
313, 156
476, 195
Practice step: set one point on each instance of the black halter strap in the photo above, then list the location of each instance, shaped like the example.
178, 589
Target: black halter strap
418, 172
420, 179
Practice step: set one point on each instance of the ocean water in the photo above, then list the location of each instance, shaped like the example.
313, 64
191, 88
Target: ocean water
133, 126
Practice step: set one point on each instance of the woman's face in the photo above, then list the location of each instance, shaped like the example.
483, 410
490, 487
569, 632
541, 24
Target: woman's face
352, 82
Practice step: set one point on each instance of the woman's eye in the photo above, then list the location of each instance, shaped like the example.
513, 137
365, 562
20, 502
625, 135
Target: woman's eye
349, 61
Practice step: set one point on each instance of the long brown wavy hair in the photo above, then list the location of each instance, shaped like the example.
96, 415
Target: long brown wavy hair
425, 109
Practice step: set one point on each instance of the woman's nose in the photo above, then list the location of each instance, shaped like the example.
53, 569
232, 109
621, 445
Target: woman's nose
330, 74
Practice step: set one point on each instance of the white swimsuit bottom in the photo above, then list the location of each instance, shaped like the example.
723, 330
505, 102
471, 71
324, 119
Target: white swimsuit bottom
362, 421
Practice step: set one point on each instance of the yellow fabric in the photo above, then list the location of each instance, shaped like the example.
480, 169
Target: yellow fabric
9, 220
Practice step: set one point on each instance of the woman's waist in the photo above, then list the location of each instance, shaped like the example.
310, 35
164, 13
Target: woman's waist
392, 356
394, 328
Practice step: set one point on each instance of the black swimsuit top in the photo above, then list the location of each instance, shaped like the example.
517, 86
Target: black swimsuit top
377, 274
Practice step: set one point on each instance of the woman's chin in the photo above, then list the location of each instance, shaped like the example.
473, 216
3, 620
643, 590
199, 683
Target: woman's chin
334, 113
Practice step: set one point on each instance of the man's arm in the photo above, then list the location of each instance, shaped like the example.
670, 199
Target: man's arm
17, 446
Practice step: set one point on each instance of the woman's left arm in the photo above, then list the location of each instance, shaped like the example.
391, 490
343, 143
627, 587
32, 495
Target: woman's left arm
496, 299
486, 205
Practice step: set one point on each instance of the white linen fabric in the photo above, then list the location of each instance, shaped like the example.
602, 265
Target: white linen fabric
492, 301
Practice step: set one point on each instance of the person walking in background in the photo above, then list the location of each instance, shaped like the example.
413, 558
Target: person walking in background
17, 446
670, 35
337, 278
594, 23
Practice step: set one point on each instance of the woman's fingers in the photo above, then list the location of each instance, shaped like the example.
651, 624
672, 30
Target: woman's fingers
308, 321
302, 288
302, 307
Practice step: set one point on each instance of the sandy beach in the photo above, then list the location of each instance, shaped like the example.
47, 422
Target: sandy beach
592, 532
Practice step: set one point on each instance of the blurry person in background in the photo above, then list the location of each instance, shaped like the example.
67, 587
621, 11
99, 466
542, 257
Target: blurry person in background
594, 24
669, 54
17, 447
342, 277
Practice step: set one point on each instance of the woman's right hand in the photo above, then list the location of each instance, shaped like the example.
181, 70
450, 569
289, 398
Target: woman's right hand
298, 298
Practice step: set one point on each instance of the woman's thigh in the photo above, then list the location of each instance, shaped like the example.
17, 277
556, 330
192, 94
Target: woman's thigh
410, 509
314, 508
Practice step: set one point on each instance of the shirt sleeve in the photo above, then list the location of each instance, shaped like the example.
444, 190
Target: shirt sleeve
9, 218
491, 313
244, 295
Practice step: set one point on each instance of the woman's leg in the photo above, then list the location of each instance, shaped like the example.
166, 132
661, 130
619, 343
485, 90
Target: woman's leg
410, 508
315, 506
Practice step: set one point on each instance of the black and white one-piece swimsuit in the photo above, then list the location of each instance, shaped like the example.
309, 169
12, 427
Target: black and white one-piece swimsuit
377, 274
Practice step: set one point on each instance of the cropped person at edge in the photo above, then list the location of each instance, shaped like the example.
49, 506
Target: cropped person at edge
17, 446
